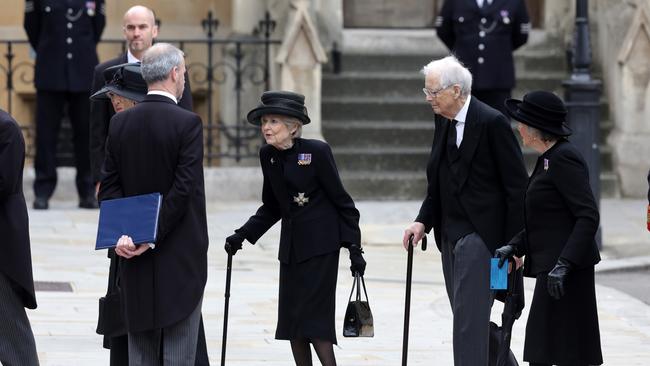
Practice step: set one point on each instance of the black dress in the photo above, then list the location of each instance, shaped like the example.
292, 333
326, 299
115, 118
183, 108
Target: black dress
561, 222
303, 189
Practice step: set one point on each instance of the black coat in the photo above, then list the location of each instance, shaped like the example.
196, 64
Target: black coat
561, 213
327, 218
561, 221
484, 38
16, 258
492, 177
101, 112
64, 34
158, 147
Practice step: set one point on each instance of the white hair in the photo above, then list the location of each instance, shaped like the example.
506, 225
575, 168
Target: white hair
293, 122
159, 60
451, 72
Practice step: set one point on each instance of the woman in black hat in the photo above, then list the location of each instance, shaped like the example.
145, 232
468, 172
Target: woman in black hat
125, 86
558, 242
303, 189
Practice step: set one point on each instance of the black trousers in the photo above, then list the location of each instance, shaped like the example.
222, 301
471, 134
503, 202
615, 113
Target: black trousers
495, 98
49, 112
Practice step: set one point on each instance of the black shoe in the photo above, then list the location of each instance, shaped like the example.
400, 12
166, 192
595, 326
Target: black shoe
88, 202
40, 203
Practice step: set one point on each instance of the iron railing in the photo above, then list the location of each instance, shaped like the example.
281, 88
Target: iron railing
232, 66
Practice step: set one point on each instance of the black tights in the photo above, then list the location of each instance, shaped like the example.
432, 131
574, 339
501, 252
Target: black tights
544, 364
302, 352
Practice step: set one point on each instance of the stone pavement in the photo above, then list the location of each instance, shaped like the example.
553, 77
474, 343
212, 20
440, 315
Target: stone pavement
64, 323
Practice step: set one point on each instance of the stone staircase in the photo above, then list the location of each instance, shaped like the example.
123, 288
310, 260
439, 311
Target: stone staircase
380, 127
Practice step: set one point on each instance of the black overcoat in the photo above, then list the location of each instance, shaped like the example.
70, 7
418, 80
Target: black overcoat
561, 222
491, 176
101, 112
64, 34
318, 215
158, 147
484, 38
16, 258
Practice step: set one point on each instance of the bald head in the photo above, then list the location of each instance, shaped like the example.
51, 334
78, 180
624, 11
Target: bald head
139, 27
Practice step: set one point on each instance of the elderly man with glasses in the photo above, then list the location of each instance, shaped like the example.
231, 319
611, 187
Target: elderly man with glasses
474, 203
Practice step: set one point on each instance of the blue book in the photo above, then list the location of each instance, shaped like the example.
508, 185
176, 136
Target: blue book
498, 276
135, 216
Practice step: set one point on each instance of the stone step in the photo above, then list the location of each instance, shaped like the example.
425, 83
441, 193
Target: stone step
375, 109
378, 133
407, 185
410, 84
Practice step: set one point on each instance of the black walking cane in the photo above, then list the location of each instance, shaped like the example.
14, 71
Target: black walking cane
225, 310
407, 304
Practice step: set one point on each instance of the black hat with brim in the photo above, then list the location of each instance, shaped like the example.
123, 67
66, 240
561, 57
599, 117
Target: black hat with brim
124, 80
284, 103
542, 110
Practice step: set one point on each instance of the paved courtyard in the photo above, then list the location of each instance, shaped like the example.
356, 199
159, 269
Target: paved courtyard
64, 323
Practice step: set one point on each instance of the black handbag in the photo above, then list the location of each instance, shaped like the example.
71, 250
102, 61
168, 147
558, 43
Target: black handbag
111, 318
358, 317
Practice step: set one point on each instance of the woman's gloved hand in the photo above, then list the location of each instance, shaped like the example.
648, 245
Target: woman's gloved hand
358, 264
557, 278
505, 252
233, 243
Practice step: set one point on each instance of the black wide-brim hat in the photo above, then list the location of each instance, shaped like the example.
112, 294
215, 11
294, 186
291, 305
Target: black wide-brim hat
542, 110
124, 80
280, 102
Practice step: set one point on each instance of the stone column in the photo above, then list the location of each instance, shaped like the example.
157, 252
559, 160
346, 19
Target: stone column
301, 57
631, 137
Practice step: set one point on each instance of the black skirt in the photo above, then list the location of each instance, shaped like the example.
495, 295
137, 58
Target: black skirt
307, 298
565, 331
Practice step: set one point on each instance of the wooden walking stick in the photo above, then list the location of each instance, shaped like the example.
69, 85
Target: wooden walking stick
407, 304
225, 310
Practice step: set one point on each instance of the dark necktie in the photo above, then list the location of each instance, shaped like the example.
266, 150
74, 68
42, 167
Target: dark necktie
452, 149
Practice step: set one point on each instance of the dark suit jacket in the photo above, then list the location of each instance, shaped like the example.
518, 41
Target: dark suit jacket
16, 258
158, 147
325, 221
505, 25
101, 112
561, 212
64, 35
491, 176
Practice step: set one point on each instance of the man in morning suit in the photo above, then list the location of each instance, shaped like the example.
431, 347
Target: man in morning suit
139, 29
474, 202
483, 34
64, 34
17, 345
157, 147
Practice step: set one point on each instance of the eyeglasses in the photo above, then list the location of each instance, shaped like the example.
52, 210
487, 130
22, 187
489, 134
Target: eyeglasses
433, 93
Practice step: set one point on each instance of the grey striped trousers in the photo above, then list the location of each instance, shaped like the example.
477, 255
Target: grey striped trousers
17, 346
176, 344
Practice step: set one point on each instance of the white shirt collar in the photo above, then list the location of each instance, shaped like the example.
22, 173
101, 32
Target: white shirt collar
130, 58
163, 93
480, 2
462, 114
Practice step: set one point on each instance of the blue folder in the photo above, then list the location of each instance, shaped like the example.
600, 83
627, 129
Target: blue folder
498, 276
135, 216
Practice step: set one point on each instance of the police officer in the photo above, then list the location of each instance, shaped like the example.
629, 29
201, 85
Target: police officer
483, 34
64, 34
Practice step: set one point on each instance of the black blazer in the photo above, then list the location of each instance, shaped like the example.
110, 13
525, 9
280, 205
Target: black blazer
16, 258
561, 212
101, 112
492, 176
64, 35
505, 26
327, 217
158, 147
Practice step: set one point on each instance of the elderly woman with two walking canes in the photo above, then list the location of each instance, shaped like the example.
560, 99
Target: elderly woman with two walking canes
302, 188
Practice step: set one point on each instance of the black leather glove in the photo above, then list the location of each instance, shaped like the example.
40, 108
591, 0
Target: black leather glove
505, 252
557, 278
358, 264
233, 243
